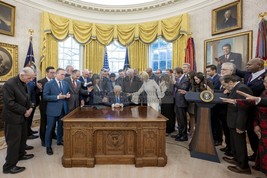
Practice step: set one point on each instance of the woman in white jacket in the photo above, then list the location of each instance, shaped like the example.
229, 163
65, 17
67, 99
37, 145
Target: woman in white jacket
153, 91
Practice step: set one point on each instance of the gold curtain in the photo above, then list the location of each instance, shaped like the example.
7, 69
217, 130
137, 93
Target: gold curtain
138, 55
127, 34
94, 56
178, 51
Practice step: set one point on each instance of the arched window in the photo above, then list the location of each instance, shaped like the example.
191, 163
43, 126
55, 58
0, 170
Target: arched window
160, 55
116, 56
69, 53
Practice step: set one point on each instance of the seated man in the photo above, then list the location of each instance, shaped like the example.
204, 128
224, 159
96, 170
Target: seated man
117, 98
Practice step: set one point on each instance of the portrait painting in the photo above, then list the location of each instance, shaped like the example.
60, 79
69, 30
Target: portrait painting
8, 61
236, 48
7, 19
227, 18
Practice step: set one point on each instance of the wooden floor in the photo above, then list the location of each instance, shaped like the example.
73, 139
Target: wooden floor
180, 165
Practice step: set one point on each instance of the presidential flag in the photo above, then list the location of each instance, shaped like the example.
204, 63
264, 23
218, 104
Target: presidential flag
29, 61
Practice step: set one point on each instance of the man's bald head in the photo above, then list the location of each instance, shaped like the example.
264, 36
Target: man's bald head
255, 65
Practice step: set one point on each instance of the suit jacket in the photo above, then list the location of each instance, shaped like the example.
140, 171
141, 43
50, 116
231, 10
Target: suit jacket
184, 84
51, 91
215, 82
255, 85
235, 58
154, 77
229, 23
42, 104
112, 99
131, 88
106, 85
82, 82
237, 115
75, 94
119, 81
15, 101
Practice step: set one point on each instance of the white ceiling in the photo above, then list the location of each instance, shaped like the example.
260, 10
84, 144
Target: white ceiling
117, 2
117, 14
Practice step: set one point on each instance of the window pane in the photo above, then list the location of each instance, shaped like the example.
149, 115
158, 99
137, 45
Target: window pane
69, 53
116, 56
160, 56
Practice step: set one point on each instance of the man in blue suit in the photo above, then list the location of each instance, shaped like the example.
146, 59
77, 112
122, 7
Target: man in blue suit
56, 93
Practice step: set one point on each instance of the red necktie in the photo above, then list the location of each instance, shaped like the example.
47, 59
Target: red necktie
74, 85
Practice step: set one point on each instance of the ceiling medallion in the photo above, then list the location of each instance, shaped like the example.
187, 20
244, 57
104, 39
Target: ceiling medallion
119, 8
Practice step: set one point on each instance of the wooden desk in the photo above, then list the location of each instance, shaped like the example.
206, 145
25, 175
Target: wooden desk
134, 135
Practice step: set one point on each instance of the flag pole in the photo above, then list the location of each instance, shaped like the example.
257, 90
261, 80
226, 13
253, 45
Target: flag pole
31, 31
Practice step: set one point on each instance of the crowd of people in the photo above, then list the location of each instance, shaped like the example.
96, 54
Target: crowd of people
63, 90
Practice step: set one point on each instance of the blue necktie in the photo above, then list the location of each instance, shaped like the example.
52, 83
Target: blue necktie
117, 99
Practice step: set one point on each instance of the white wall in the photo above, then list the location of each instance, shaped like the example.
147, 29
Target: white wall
26, 18
200, 24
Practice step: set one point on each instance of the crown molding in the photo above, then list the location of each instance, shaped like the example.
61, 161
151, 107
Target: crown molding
123, 17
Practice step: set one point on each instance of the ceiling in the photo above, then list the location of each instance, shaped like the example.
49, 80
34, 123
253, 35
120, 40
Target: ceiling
120, 12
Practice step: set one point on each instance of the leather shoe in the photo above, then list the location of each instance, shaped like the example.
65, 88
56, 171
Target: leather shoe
217, 143
256, 168
28, 147
237, 169
33, 132
49, 151
43, 143
60, 143
228, 153
230, 160
224, 149
252, 157
25, 157
181, 139
14, 170
175, 136
30, 137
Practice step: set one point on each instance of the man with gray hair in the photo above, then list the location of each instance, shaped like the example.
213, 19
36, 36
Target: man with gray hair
16, 109
117, 98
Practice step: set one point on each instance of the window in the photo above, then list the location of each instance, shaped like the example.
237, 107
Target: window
116, 56
160, 55
69, 53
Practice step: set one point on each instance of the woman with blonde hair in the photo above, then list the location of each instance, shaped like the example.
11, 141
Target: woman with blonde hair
153, 91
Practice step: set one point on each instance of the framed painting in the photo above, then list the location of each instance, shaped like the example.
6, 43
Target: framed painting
236, 48
8, 61
227, 18
7, 19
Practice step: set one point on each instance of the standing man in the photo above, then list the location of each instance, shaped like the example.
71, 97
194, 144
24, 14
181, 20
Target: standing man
152, 75
119, 80
253, 78
56, 93
76, 90
69, 70
181, 85
50, 74
237, 118
16, 109
86, 82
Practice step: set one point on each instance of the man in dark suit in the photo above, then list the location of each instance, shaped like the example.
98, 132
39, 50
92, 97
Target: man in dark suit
181, 86
76, 91
131, 83
119, 80
152, 75
50, 74
211, 71
56, 93
86, 82
237, 118
228, 20
117, 98
16, 109
229, 56
253, 78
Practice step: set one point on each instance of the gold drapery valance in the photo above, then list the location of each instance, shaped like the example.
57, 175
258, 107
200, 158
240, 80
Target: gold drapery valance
61, 27
136, 36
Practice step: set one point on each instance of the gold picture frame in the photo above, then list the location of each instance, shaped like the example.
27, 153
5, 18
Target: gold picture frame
227, 18
235, 48
7, 19
8, 61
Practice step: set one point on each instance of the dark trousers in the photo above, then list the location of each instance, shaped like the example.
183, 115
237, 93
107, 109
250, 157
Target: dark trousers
167, 110
16, 136
239, 148
253, 139
181, 120
29, 120
216, 125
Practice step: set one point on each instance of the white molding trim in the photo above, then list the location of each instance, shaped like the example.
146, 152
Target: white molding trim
173, 9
